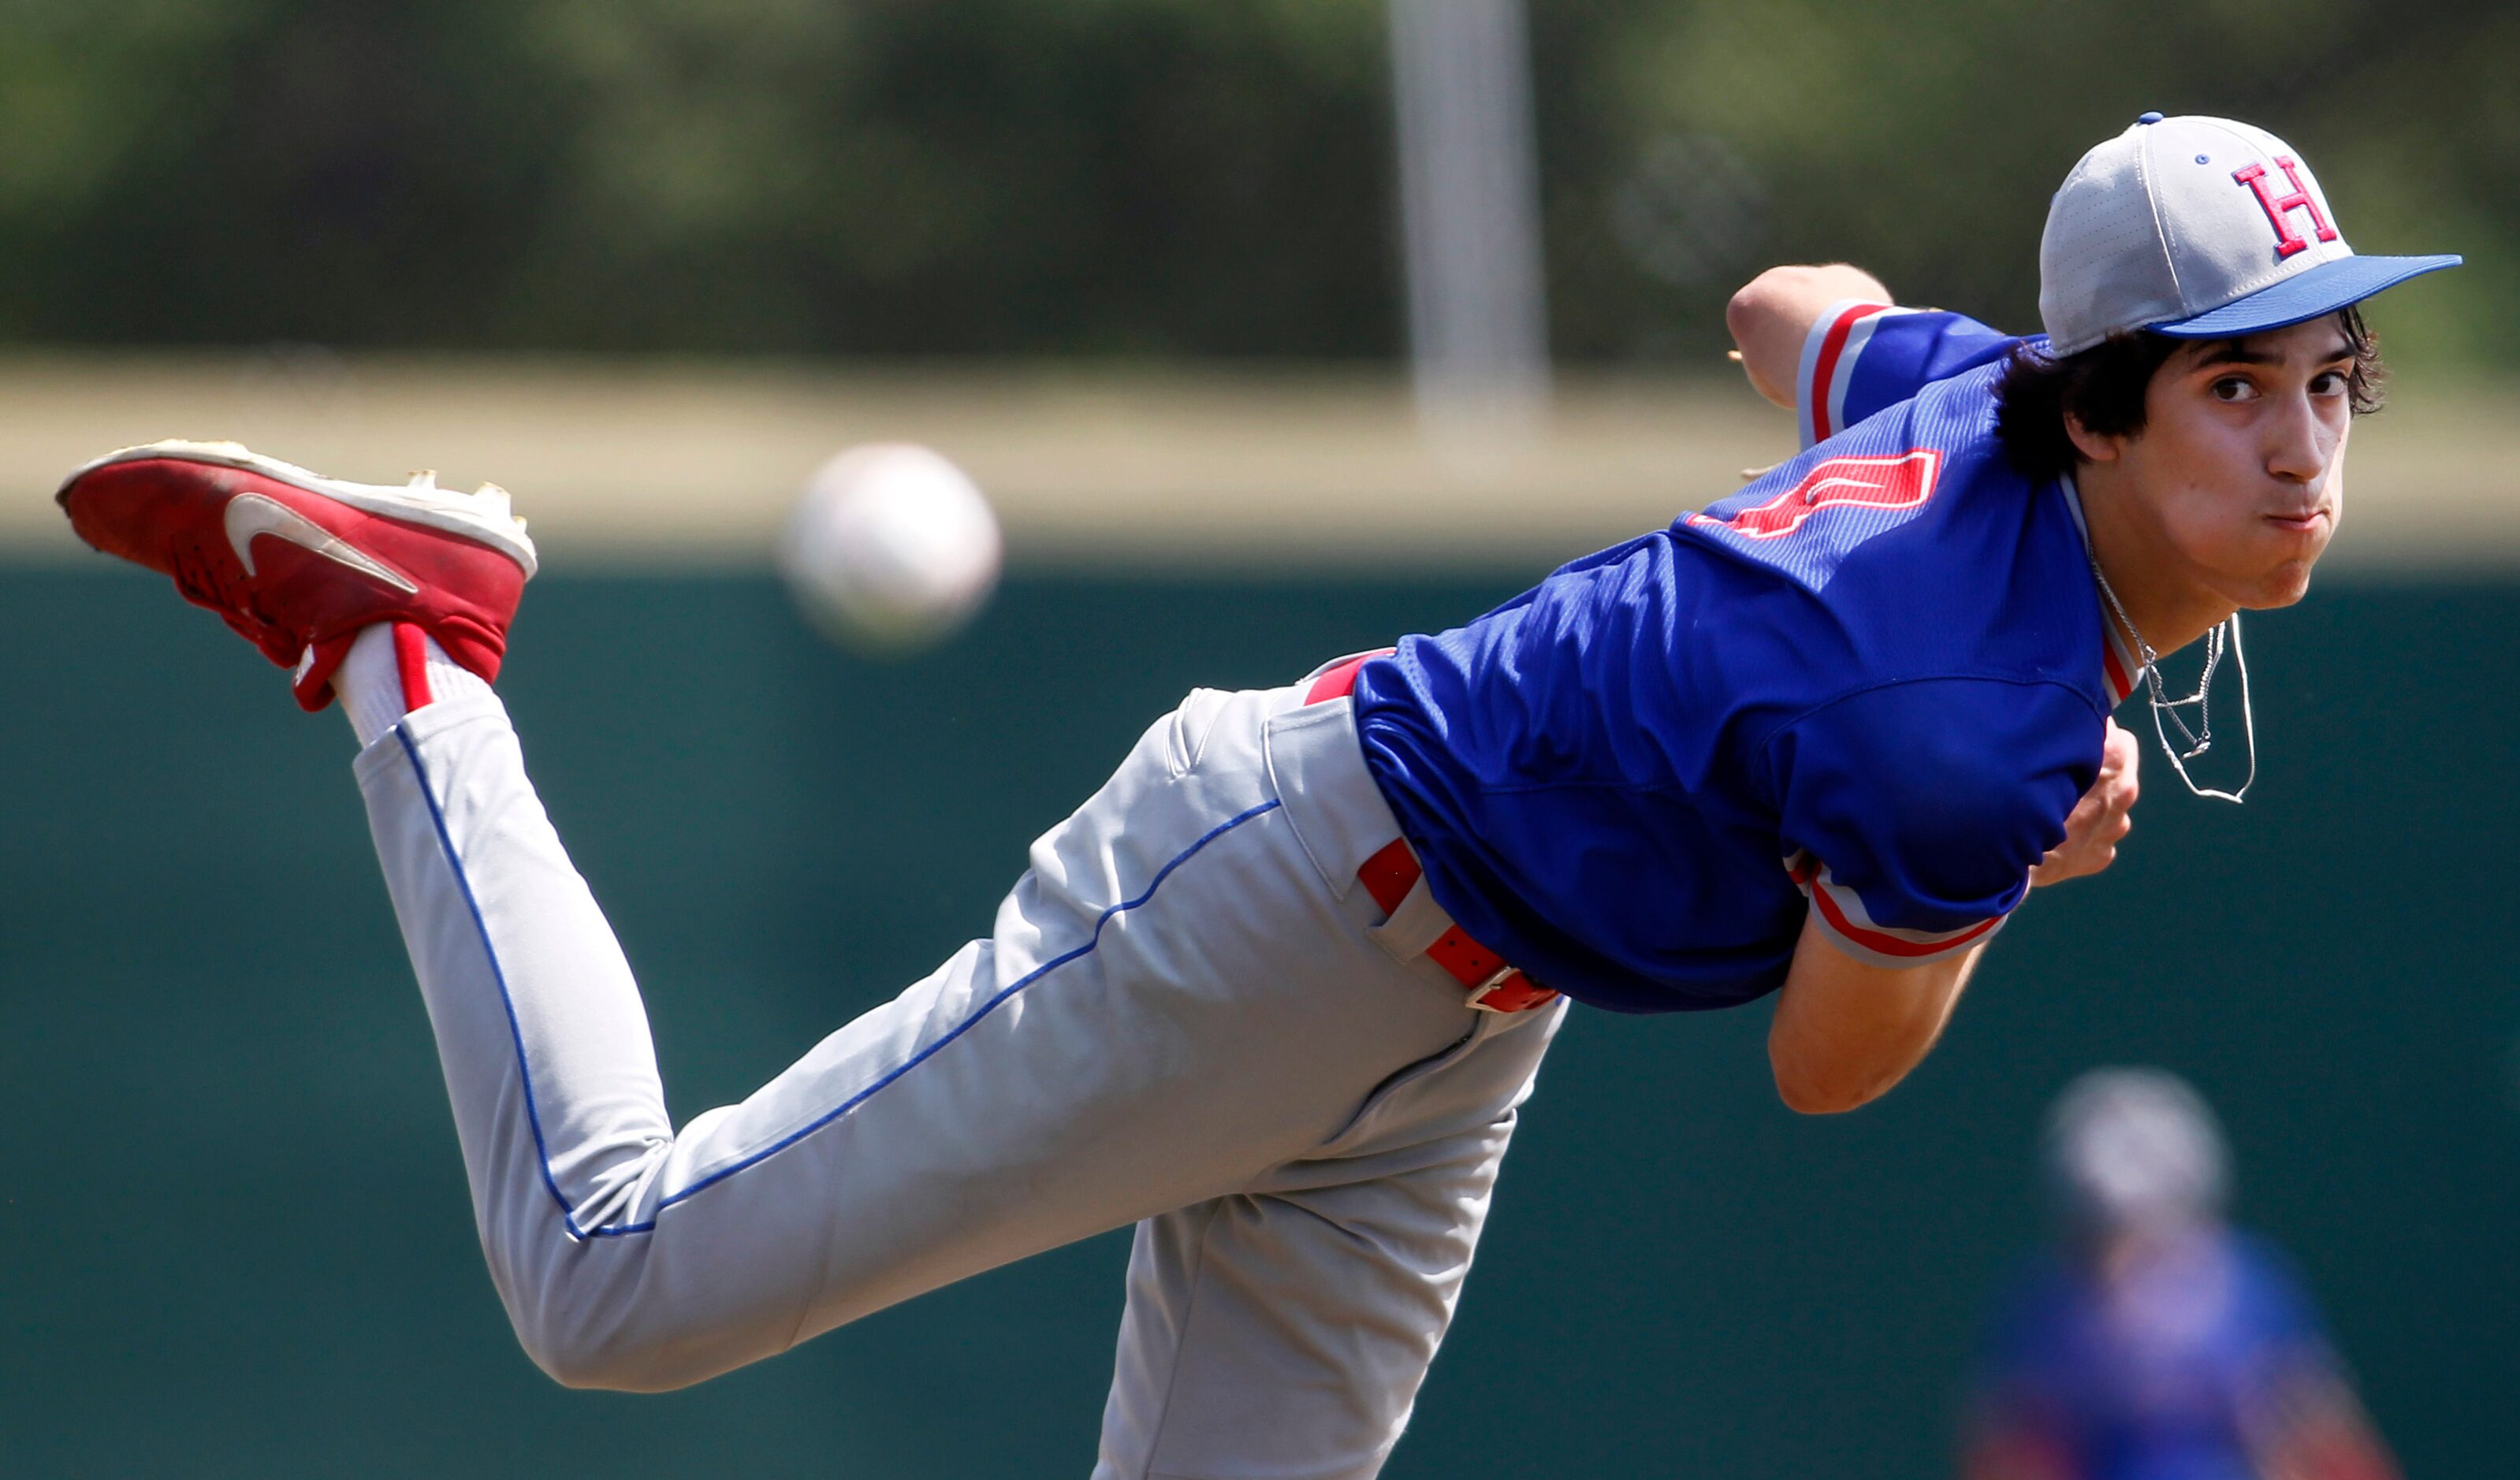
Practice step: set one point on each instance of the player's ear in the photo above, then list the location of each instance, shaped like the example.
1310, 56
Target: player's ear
2094, 446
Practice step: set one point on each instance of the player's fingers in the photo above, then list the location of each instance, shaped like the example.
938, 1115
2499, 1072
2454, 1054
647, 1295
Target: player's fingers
2109, 795
2106, 830
2118, 792
2076, 860
2086, 815
2120, 755
2125, 751
2098, 823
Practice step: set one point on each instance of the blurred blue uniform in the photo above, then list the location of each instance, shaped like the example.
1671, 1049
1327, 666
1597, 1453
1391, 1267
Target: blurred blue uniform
1870, 685
2163, 1373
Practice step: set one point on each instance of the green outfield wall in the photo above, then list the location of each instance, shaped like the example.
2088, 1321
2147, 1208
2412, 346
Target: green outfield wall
234, 1242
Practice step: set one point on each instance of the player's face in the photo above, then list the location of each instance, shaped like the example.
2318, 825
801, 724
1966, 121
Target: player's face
2240, 461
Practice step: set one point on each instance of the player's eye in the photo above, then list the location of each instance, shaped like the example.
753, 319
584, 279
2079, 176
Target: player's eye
2328, 382
2231, 389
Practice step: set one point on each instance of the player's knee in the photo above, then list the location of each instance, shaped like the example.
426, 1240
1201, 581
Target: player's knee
565, 1352
601, 1343
608, 1364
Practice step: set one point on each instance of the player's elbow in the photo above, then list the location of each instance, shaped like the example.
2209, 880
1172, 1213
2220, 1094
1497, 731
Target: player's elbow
1810, 1094
1812, 1084
1810, 1100
1793, 294
1764, 299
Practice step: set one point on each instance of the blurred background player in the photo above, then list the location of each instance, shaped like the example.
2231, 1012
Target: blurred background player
2153, 1341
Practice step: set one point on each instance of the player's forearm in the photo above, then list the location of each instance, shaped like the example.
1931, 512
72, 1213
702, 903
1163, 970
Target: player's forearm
1846, 1031
1773, 312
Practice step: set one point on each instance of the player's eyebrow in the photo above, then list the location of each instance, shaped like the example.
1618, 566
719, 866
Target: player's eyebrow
2234, 352
2239, 352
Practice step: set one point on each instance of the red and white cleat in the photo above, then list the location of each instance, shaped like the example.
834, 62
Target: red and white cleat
297, 562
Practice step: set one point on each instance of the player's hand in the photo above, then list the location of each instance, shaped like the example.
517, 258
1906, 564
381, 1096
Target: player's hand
2100, 821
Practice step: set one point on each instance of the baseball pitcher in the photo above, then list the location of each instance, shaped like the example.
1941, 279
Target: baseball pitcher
1274, 994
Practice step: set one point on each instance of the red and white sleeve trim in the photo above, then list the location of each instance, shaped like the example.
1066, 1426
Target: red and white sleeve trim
1830, 353
1850, 927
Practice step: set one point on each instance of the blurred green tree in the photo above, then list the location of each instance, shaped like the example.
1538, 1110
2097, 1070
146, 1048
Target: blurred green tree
1137, 178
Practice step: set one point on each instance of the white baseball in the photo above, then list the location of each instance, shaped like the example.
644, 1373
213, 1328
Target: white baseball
890, 547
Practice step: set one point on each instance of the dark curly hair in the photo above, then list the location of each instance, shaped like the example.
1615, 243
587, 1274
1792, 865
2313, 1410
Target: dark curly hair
2102, 388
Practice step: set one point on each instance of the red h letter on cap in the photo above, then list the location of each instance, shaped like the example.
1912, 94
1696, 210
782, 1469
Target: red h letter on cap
2286, 244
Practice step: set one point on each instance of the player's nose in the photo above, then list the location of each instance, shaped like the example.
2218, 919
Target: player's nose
2300, 444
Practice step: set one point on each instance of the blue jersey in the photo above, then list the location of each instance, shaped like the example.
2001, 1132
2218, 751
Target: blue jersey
2159, 1373
1867, 686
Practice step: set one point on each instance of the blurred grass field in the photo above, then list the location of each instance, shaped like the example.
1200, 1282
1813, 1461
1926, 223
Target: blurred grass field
666, 464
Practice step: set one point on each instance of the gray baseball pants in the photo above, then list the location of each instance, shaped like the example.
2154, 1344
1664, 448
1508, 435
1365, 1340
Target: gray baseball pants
1188, 1016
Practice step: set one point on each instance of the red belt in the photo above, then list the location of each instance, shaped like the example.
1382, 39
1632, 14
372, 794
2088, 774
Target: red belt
1389, 875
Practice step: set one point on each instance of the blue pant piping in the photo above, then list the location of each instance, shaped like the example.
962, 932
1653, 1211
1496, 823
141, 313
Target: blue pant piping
516, 1032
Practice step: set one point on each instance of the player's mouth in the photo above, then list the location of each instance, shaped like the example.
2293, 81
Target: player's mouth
2300, 524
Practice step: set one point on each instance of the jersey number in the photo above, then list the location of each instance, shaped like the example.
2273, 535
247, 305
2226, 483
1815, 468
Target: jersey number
1902, 481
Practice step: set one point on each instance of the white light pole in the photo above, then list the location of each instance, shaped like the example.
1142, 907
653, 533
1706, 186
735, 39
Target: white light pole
1469, 208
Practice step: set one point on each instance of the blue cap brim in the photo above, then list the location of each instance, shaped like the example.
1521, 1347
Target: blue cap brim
2297, 300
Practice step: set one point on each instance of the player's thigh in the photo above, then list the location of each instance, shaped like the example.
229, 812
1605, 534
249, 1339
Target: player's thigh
1285, 1332
1171, 1003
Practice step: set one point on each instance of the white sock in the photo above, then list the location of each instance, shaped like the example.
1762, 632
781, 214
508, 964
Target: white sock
370, 689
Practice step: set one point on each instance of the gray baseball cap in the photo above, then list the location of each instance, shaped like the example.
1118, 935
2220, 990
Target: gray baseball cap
2201, 229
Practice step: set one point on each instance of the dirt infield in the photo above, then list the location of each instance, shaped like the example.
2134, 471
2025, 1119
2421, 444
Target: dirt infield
682, 463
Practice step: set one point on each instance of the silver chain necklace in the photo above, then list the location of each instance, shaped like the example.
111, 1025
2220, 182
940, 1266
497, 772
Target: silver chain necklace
2168, 712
